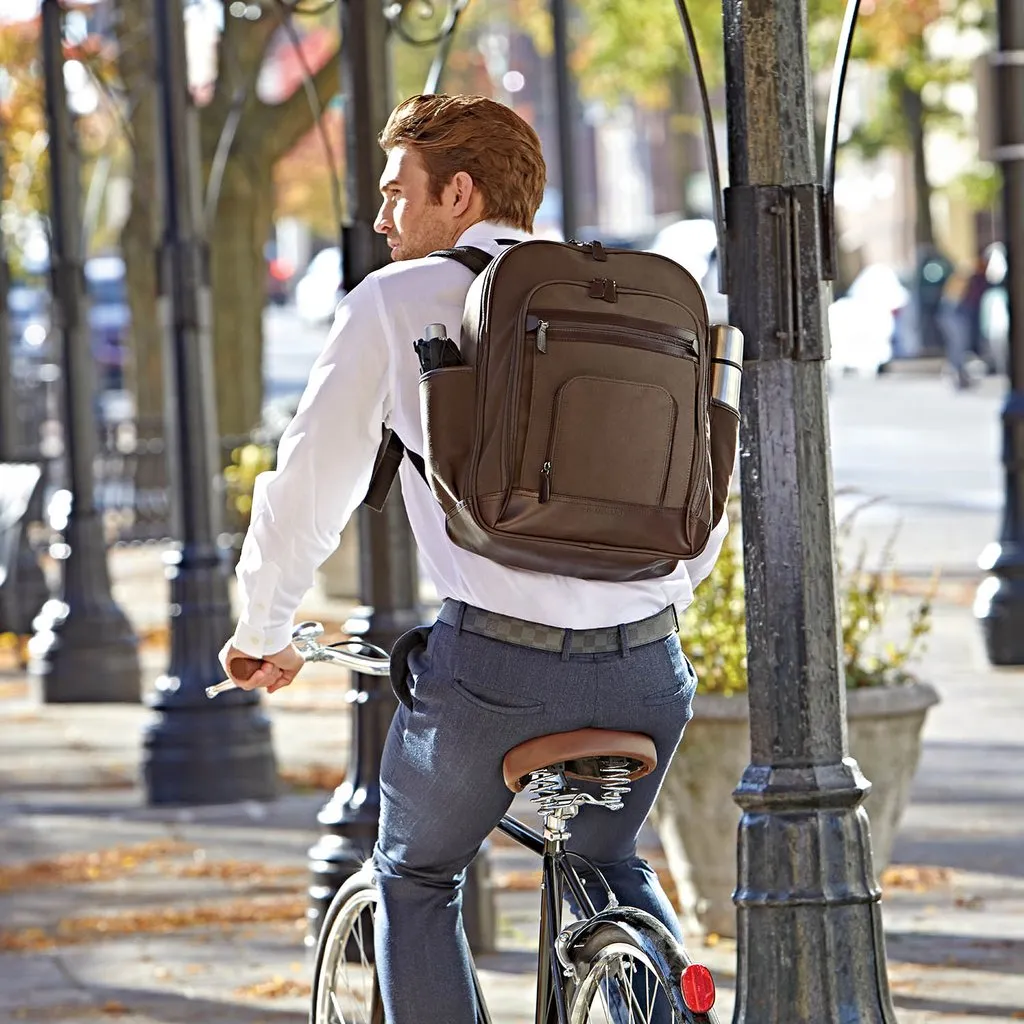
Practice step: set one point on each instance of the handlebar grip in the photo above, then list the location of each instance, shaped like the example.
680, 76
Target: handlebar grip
243, 668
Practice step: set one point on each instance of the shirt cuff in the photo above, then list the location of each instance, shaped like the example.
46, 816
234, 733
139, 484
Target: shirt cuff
258, 643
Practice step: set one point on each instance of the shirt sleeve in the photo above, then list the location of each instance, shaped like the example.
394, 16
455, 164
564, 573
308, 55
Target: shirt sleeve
324, 463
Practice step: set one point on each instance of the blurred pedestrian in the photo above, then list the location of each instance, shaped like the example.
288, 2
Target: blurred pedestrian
969, 310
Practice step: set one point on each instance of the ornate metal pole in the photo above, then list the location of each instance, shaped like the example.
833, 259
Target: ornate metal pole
387, 559
84, 649
811, 946
197, 751
1000, 599
388, 572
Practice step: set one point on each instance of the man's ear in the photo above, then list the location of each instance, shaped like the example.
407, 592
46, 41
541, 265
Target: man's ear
461, 191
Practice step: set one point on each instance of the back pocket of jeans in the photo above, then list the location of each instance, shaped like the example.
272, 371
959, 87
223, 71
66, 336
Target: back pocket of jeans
495, 701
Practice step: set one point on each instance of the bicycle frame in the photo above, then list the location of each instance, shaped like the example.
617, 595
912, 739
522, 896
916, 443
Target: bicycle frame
557, 874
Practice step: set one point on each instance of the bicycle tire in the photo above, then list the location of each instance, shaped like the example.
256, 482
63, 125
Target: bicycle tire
647, 944
348, 931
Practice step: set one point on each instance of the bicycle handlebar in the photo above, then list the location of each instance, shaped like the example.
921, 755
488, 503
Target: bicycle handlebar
304, 637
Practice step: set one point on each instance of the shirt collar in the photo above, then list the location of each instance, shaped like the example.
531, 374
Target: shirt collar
487, 231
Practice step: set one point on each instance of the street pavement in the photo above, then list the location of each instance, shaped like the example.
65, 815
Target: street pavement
110, 908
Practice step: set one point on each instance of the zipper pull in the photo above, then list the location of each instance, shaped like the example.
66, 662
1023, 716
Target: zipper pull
542, 336
545, 483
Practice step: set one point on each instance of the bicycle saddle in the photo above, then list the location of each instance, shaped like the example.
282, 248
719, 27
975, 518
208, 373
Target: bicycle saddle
583, 753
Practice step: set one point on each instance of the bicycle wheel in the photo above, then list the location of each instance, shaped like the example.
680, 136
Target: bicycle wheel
629, 975
345, 989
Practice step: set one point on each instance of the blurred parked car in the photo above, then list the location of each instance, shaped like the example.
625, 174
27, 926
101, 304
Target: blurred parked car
718, 303
862, 322
690, 243
693, 244
319, 289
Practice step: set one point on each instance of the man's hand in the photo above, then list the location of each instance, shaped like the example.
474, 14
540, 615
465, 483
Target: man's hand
272, 671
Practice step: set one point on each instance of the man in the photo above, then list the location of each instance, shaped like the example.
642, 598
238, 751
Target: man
460, 170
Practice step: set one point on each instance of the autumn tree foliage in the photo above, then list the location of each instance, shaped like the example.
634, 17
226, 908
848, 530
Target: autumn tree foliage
24, 141
627, 50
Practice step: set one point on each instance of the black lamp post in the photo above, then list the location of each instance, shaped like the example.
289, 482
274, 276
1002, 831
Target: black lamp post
84, 649
810, 945
197, 751
388, 579
1000, 599
388, 572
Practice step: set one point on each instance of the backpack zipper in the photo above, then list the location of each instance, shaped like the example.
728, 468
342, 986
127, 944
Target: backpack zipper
544, 493
684, 345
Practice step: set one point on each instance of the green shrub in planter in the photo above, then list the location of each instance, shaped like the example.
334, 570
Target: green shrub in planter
713, 630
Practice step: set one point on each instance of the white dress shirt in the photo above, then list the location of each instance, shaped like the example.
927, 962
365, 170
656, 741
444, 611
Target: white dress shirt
368, 373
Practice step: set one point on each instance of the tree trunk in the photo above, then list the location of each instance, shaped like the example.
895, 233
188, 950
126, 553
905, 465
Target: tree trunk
684, 114
241, 228
913, 115
141, 233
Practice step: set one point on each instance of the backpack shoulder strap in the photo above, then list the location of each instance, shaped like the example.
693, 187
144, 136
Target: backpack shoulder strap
469, 256
392, 450
385, 469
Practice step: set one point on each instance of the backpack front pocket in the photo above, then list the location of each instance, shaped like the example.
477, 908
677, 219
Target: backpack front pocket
610, 440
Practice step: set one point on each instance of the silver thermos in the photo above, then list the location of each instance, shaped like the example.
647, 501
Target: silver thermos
726, 364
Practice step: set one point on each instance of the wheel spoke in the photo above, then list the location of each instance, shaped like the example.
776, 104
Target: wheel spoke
620, 985
345, 987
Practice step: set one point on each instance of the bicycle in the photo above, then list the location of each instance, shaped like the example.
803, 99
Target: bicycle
619, 965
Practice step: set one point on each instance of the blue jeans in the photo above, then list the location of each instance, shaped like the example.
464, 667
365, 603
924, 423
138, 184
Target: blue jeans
442, 792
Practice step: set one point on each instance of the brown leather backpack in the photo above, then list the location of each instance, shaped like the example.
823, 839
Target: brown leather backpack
590, 430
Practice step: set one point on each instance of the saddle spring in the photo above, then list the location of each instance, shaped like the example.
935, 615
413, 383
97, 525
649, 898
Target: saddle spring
614, 781
551, 791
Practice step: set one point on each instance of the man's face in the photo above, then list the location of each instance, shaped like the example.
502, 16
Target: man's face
415, 224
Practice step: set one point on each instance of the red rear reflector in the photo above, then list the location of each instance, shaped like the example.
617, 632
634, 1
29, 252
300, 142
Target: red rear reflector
698, 988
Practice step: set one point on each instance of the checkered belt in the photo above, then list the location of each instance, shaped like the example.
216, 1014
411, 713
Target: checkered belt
550, 638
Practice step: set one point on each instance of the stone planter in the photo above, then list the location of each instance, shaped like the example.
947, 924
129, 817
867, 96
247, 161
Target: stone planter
697, 819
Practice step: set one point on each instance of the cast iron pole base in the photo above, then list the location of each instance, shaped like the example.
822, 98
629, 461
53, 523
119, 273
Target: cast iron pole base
197, 750
999, 602
349, 818
84, 649
808, 902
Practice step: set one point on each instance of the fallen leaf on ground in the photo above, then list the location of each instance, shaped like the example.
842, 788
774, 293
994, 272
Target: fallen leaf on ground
96, 865
969, 902
157, 920
275, 988
313, 776
113, 1006
244, 870
917, 878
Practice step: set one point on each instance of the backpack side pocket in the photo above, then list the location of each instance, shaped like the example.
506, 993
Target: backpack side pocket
448, 414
